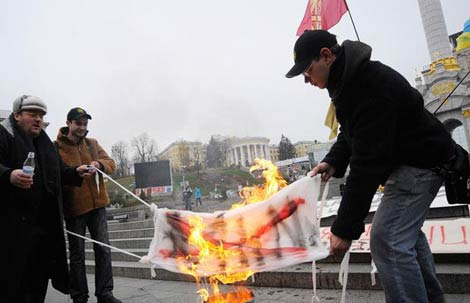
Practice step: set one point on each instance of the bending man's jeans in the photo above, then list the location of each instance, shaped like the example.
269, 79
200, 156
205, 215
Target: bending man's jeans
98, 228
399, 248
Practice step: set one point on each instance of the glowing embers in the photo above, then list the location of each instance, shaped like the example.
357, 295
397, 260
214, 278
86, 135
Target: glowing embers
238, 294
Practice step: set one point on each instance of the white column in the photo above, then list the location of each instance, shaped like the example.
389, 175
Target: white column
234, 162
243, 154
250, 155
435, 29
238, 154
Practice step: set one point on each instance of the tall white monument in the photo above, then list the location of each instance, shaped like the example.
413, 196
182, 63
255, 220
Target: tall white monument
445, 71
435, 29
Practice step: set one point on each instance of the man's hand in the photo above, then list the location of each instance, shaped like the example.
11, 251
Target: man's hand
326, 170
338, 246
84, 170
19, 179
96, 164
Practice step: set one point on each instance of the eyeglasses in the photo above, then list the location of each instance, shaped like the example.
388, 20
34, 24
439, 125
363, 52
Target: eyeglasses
307, 72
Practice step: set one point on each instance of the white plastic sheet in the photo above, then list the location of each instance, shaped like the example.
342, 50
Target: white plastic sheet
275, 233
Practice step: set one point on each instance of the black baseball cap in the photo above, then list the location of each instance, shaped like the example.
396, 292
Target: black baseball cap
308, 47
76, 113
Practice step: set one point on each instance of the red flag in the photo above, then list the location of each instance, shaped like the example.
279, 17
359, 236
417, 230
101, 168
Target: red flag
322, 14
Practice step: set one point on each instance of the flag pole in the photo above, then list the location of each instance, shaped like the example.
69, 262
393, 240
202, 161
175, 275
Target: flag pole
352, 20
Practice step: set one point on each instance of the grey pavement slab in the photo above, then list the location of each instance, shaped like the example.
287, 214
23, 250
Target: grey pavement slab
155, 291
454, 277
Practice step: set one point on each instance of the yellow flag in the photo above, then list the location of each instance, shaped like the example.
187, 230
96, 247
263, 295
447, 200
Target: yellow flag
331, 121
463, 42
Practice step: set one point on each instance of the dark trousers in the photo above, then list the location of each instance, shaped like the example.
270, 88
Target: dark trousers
187, 203
36, 275
98, 228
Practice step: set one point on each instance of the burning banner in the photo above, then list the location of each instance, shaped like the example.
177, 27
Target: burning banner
232, 245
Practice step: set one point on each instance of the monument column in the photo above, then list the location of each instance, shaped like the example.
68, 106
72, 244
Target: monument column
435, 29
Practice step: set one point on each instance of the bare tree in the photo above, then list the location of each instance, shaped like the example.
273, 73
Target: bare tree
183, 152
217, 150
120, 155
145, 148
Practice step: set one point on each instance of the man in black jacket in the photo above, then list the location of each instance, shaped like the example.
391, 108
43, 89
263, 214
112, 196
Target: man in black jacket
31, 220
386, 137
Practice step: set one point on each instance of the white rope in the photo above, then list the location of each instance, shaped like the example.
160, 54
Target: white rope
343, 275
323, 203
372, 273
103, 244
142, 259
315, 297
97, 181
122, 187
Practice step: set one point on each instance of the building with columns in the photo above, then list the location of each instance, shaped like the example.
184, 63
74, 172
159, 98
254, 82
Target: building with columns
448, 67
243, 151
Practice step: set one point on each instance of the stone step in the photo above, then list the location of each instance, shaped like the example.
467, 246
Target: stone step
130, 225
355, 257
119, 256
129, 233
125, 243
453, 277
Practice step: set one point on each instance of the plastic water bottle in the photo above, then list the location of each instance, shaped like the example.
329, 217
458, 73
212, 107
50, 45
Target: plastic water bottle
28, 165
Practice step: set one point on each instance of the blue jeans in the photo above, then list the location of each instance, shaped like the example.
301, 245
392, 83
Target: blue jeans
96, 222
399, 248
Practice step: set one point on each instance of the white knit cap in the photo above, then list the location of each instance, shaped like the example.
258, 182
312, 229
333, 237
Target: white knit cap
27, 102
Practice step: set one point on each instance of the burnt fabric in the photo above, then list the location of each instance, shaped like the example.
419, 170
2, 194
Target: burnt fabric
275, 233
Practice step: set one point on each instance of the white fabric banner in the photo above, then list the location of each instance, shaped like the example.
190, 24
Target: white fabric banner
444, 236
275, 233
332, 205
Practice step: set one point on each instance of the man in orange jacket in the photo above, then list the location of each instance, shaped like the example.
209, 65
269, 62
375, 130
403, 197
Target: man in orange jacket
85, 207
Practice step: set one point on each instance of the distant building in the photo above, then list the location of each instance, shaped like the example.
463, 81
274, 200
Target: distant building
274, 151
184, 154
302, 147
243, 151
319, 150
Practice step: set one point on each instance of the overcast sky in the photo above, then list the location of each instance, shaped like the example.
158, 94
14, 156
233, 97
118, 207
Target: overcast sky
190, 69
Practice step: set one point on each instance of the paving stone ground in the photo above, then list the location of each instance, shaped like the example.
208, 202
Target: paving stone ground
155, 291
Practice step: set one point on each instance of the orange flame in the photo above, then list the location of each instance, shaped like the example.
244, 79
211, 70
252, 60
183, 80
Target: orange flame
210, 255
273, 183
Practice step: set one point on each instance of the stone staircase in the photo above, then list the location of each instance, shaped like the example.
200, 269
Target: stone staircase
135, 236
